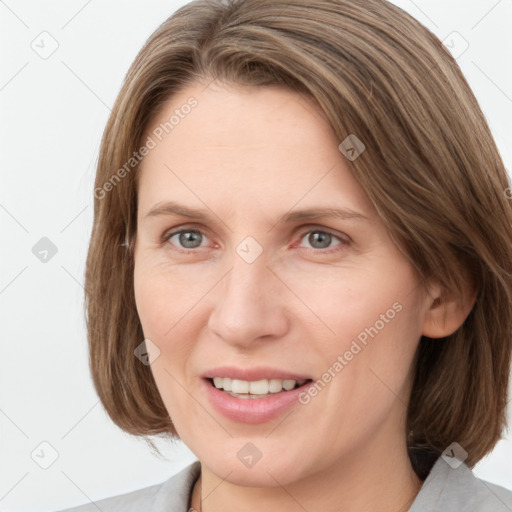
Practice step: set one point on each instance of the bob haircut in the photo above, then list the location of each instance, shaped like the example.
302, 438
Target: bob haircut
431, 169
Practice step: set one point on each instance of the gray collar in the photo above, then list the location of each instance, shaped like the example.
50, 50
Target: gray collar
444, 490
448, 489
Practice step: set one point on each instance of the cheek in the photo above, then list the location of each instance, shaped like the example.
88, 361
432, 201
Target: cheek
374, 319
364, 367
151, 299
164, 298
166, 311
356, 302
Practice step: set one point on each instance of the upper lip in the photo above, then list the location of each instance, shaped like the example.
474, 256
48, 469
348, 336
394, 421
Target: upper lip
253, 373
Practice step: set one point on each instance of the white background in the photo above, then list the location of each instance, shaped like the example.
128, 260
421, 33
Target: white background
53, 114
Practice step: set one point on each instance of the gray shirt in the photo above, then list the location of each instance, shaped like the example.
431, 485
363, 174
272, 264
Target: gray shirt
444, 490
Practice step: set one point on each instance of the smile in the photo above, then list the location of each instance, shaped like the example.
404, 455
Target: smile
255, 389
254, 399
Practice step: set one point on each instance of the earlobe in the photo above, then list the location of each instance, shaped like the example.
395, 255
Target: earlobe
445, 313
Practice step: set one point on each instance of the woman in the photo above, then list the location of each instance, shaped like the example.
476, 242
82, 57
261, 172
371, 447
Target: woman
301, 264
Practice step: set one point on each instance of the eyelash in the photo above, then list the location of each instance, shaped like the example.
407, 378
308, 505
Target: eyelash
343, 243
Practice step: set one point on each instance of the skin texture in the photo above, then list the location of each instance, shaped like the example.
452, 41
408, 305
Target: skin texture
248, 156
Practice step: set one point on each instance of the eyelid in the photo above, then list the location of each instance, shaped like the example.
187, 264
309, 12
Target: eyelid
312, 228
344, 241
343, 238
168, 234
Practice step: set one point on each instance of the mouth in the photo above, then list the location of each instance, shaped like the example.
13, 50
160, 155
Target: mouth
263, 388
255, 394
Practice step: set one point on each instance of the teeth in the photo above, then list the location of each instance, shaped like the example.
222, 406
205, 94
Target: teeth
240, 386
259, 387
288, 384
275, 385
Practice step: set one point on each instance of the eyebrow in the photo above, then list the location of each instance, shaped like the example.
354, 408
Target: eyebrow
173, 208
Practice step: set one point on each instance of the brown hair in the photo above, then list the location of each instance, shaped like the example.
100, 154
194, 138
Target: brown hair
431, 168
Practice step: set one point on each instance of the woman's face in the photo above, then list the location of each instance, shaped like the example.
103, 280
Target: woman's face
283, 274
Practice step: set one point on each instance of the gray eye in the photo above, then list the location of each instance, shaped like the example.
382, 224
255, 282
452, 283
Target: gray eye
190, 239
320, 239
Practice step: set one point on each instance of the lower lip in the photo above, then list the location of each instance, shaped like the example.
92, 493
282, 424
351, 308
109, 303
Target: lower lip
252, 410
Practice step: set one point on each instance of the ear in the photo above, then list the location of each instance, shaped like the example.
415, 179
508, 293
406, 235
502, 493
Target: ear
445, 313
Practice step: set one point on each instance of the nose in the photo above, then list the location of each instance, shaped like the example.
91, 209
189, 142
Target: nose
250, 304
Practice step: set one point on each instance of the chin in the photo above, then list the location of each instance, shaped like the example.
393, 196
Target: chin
254, 462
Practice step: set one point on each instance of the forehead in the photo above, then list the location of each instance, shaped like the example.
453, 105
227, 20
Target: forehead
262, 144
230, 116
